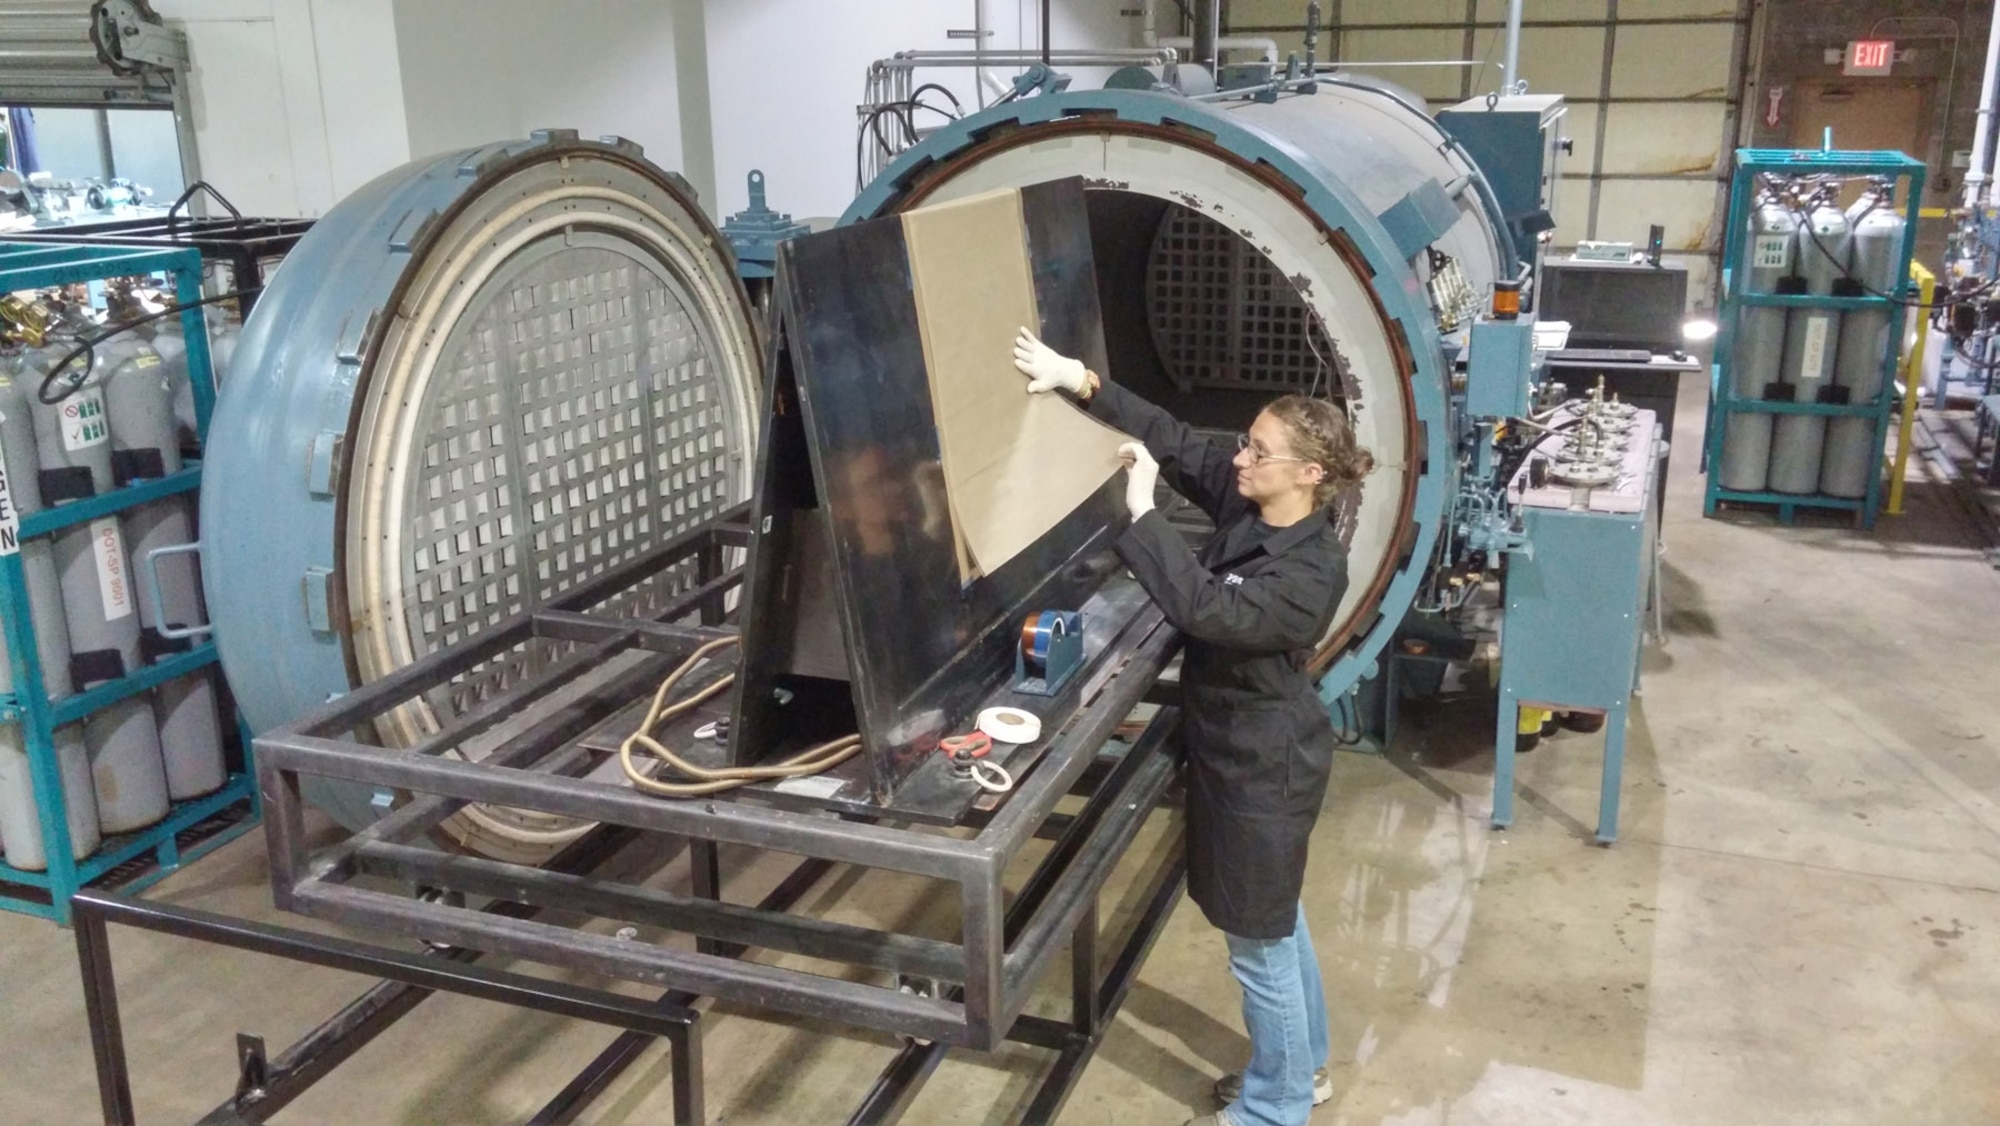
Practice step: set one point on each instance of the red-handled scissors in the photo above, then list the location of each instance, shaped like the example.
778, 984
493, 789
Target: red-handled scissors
975, 745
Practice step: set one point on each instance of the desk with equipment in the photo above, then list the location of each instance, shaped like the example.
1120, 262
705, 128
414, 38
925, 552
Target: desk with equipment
1625, 326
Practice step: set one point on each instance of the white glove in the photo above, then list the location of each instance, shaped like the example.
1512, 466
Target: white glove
1046, 368
1142, 473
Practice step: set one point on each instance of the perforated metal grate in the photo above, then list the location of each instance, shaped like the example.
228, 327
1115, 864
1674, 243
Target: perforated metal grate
1223, 316
579, 423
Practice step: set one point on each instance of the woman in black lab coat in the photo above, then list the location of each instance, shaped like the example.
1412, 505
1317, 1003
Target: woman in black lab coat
1251, 605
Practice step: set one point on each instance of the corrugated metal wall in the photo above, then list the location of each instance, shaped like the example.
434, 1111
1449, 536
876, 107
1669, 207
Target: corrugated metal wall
46, 59
1652, 86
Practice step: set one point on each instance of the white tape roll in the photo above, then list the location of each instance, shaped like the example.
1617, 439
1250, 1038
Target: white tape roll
1010, 725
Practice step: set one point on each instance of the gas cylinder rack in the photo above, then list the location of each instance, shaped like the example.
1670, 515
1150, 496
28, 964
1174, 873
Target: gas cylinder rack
1792, 422
59, 779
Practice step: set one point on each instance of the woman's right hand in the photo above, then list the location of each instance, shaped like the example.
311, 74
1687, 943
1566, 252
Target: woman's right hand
1046, 368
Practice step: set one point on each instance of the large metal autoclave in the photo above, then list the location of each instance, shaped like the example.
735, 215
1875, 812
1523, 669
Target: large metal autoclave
479, 468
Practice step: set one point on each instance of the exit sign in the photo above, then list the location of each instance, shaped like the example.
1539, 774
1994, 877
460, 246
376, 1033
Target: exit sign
1866, 57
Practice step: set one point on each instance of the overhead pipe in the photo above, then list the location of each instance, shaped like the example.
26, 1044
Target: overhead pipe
1511, 63
1207, 29
1982, 138
1225, 43
1312, 36
1899, 33
979, 50
1097, 56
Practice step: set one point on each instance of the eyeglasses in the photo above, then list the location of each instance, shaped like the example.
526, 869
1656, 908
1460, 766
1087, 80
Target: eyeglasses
1257, 454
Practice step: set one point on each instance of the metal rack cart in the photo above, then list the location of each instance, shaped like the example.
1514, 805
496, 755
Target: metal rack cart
1724, 402
192, 827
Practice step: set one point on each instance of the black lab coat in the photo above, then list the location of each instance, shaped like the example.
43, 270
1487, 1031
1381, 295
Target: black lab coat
1259, 742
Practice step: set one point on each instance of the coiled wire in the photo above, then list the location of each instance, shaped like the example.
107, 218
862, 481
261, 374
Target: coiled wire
706, 780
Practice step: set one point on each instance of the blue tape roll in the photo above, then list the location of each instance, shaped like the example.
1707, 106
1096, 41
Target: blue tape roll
1041, 634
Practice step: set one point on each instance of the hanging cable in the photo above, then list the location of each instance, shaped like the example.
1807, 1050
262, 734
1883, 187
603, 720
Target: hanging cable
707, 780
1976, 365
87, 347
1349, 733
958, 109
1805, 220
1510, 464
904, 113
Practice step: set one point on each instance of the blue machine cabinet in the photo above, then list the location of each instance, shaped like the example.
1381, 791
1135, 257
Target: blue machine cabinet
1569, 640
1750, 163
47, 893
1517, 142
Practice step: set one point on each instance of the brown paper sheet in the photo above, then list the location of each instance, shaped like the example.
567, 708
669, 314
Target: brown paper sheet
1015, 464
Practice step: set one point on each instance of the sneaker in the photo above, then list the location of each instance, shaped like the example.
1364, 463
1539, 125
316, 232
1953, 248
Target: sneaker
1229, 1088
1219, 1118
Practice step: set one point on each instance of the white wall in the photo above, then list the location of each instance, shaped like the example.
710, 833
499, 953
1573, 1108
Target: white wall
784, 77
147, 150
475, 71
361, 103
296, 102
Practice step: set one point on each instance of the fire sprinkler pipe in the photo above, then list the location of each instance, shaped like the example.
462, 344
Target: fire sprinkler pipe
1982, 143
1511, 63
1207, 29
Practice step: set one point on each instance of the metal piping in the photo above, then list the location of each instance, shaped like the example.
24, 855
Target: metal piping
1227, 43
1207, 29
979, 50
1074, 56
1982, 138
1371, 64
1951, 68
892, 80
1512, 62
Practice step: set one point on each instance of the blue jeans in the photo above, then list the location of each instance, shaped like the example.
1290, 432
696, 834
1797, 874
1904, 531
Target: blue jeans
1284, 1009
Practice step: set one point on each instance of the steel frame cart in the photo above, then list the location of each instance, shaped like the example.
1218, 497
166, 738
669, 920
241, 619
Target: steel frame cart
193, 827
1750, 163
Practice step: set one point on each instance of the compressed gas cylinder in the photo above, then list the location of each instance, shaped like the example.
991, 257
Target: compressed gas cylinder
20, 825
139, 403
126, 770
1758, 349
1853, 454
1812, 339
19, 472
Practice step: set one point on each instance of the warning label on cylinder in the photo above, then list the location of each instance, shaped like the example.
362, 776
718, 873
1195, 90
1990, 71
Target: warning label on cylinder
83, 421
1813, 365
1772, 252
114, 578
10, 517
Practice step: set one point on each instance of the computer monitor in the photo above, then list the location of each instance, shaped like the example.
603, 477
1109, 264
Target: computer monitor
1615, 304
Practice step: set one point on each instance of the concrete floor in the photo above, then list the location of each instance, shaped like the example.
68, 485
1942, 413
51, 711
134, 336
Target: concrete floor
1801, 923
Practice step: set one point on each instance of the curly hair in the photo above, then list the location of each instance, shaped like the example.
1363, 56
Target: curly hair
1320, 434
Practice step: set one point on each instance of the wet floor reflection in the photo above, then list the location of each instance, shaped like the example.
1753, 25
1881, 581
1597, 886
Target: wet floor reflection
1461, 961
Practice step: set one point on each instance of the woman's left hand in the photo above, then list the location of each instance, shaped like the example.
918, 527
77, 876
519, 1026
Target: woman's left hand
1142, 473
